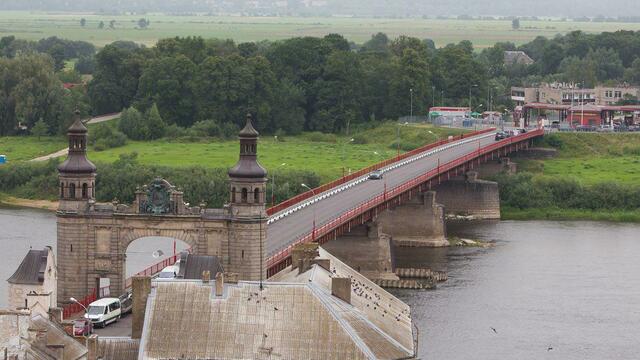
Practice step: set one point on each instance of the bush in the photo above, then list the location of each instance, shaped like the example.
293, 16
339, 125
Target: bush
554, 140
104, 137
206, 128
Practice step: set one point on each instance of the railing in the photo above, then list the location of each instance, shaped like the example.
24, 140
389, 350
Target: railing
306, 195
153, 269
390, 194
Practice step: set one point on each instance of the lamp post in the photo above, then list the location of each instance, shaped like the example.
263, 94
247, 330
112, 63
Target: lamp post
411, 102
470, 87
273, 184
313, 232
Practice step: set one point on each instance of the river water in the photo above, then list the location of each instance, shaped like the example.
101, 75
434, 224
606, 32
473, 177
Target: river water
570, 286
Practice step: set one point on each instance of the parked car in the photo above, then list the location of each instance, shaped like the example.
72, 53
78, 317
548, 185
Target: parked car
104, 311
375, 175
522, 131
605, 128
585, 128
82, 327
169, 272
501, 135
126, 303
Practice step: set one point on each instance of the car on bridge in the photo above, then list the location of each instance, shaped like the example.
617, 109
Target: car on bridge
501, 135
375, 175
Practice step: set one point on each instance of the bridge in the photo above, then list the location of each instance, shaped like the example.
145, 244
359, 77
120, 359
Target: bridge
93, 237
325, 213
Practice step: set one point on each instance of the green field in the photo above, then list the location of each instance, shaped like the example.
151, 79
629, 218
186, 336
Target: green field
37, 25
22, 148
324, 154
592, 158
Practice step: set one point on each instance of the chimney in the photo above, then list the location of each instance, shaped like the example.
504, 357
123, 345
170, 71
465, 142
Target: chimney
141, 289
92, 347
55, 315
341, 288
303, 251
206, 276
323, 263
219, 284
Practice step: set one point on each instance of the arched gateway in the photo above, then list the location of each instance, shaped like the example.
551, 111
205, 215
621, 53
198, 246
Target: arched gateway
93, 237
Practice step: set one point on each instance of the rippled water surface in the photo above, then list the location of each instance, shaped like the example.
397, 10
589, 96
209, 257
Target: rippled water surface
570, 286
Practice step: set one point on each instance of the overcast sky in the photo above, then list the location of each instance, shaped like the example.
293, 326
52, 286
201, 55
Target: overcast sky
559, 8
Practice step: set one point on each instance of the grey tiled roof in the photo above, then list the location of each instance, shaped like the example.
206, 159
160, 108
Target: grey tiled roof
118, 348
192, 266
32, 268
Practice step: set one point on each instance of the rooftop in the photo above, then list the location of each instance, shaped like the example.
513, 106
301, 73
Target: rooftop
32, 268
298, 318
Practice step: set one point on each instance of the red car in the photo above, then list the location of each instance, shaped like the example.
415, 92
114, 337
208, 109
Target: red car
82, 327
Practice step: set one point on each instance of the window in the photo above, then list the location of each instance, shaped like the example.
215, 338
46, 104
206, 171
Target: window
61, 190
72, 191
256, 195
233, 194
244, 195
85, 191
618, 94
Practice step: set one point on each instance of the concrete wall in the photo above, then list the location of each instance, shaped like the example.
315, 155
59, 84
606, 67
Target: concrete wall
14, 330
420, 222
469, 196
366, 250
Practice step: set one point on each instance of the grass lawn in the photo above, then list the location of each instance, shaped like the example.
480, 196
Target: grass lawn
22, 148
37, 25
324, 154
591, 158
570, 214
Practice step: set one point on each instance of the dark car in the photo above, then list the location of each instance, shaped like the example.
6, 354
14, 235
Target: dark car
375, 175
126, 301
500, 135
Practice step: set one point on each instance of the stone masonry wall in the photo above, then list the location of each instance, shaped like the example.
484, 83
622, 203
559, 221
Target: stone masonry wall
469, 196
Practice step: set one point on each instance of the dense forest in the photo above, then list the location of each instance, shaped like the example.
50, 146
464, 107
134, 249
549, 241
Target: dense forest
301, 84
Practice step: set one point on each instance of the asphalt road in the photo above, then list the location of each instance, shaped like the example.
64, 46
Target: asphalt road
287, 230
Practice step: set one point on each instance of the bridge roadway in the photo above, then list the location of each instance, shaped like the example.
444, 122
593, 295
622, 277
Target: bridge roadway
285, 231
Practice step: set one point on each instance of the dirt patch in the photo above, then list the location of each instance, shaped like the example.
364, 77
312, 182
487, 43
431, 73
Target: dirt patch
36, 204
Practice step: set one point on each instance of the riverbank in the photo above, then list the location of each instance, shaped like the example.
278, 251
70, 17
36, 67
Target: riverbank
28, 203
509, 213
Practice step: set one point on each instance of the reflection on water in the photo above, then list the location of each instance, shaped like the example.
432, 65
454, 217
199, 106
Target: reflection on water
572, 286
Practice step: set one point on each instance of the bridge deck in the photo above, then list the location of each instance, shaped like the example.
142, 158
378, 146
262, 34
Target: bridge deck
286, 230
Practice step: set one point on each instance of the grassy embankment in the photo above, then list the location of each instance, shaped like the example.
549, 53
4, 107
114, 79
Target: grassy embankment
586, 164
37, 25
323, 155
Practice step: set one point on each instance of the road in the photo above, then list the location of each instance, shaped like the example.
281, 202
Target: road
287, 230
65, 151
117, 329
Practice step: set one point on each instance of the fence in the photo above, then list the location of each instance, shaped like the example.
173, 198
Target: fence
396, 191
306, 195
153, 269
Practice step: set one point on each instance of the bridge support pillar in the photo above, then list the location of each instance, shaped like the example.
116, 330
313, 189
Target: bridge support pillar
499, 165
366, 250
419, 222
469, 196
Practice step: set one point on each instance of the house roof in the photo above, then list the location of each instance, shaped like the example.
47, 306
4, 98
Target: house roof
118, 348
32, 268
517, 57
52, 337
192, 266
586, 108
300, 319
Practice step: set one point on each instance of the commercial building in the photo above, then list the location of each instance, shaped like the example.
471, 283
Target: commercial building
570, 94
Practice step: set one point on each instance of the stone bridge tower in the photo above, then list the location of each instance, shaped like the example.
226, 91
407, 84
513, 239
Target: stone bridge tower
247, 232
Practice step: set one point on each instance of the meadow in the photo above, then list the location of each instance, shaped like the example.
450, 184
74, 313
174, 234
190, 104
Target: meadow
327, 155
483, 33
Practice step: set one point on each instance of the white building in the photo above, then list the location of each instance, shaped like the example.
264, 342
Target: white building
33, 286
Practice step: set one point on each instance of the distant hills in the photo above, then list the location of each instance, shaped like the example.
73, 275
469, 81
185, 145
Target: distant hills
381, 8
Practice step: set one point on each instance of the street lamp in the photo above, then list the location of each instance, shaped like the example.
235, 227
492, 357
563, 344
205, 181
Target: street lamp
273, 184
72, 299
470, 87
313, 232
411, 96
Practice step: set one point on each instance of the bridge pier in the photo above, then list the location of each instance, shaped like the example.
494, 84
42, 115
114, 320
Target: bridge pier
469, 196
366, 250
418, 222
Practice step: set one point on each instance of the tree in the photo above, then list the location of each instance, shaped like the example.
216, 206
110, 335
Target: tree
85, 65
39, 129
83, 22
632, 74
154, 125
607, 64
132, 124
515, 24
101, 25
143, 23
112, 24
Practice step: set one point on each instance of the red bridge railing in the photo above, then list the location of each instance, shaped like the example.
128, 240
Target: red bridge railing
306, 195
153, 269
379, 199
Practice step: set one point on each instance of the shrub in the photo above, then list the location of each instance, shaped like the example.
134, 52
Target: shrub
206, 128
554, 140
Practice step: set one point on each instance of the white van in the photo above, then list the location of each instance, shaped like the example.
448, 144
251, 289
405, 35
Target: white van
104, 311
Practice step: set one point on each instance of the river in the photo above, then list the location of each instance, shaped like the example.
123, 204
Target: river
570, 286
